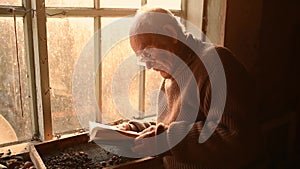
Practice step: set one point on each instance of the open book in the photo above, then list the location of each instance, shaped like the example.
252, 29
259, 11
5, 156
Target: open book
106, 134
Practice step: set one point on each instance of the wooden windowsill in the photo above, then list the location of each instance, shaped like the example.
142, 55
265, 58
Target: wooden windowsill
15, 149
22, 148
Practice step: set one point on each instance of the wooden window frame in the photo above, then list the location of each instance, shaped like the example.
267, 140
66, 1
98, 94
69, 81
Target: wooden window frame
35, 15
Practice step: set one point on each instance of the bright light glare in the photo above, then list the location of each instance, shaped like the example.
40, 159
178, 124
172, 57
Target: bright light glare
169, 4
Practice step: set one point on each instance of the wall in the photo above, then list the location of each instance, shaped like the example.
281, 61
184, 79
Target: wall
194, 15
216, 18
242, 31
277, 54
210, 19
264, 35
261, 34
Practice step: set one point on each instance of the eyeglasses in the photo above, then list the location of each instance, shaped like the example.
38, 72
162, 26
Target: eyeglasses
145, 56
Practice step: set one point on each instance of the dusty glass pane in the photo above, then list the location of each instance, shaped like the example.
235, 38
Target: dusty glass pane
69, 3
152, 84
11, 2
120, 3
14, 126
66, 39
114, 59
169, 4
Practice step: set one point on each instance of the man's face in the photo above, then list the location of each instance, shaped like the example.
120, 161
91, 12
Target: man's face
155, 55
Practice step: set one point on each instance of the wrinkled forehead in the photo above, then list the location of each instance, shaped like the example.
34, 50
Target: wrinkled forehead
141, 41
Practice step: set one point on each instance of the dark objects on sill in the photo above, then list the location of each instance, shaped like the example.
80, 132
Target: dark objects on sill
79, 160
36, 137
8, 152
83, 156
16, 162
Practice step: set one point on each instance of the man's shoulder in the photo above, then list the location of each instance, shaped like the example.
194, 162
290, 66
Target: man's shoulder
207, 48
212, 48
223, 50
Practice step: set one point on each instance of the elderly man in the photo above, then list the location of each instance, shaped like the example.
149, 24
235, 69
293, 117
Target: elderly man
203, 121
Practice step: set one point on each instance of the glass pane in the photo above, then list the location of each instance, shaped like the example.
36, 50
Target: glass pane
152, 85
11, 2
115, 58
14, 126
120, 3
169, 4
66, 39
68, 3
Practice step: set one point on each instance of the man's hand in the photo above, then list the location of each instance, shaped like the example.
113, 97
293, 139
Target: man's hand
146, 144
135, 126
124, 126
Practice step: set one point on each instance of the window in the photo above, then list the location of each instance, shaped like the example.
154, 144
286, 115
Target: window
171, 4
120, 4
69, 26
112, 60
66, 38
68, 3
11, 2
15, 97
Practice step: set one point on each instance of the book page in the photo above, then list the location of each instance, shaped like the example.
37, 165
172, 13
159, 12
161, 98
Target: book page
107, 134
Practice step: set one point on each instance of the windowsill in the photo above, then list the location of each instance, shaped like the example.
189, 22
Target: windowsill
15, 149
22, 148
64, 136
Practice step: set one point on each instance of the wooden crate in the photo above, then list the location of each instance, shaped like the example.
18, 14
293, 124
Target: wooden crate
15, 154
40, 151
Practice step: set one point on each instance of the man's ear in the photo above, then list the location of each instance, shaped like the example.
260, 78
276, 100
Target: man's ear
171, 31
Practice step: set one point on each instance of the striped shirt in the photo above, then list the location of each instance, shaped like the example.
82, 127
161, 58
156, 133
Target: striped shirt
186, 105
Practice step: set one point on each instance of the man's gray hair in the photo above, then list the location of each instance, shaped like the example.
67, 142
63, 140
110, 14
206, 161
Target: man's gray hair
152, 20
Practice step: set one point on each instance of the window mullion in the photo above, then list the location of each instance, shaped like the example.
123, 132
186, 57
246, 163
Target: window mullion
143, 2
42, 69
89, 12
98, 68
28, 38
184, 9
142, 81
19, 11
97, 4
97, 54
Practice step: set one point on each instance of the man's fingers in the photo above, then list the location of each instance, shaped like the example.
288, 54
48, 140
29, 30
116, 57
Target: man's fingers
140, 138
140, 126
149, 129
123, 126
146, 135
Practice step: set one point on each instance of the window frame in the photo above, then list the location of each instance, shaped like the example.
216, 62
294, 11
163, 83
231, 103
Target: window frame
35, 16
20, 11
